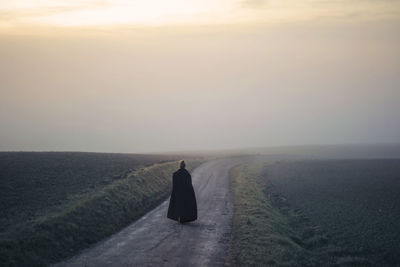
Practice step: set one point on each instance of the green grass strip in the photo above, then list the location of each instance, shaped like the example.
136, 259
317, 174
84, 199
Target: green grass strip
263, 235
62, 234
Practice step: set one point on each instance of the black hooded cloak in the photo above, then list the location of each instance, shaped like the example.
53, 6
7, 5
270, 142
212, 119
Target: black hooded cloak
182, 205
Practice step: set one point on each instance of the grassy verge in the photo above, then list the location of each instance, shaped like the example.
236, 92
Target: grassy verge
34, 184
58, 235
266, 232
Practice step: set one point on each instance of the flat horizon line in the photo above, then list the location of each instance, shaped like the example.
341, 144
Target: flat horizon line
210, 150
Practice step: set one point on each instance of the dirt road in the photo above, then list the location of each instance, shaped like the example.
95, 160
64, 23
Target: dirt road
155, 240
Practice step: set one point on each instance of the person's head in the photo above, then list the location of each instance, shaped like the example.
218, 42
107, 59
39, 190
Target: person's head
182, 164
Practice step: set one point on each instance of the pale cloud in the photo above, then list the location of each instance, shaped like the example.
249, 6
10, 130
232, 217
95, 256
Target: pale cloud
142, 89
253, 3
25, 12
191, 12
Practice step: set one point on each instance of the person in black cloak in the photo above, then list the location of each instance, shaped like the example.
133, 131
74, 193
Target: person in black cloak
182, 204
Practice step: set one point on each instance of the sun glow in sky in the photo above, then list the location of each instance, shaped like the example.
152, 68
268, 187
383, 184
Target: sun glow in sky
157, 75
19, 13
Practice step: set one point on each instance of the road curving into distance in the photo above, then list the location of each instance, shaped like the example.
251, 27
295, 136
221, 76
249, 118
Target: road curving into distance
154, 240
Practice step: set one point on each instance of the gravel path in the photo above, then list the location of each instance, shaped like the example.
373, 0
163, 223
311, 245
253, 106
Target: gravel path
155, 240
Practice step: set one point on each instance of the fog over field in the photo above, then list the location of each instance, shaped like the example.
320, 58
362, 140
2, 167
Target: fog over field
286, 114
324, 73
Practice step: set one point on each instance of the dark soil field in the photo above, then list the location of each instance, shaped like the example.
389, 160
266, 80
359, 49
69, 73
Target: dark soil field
33, 183
54, 204
267, 232
356, 202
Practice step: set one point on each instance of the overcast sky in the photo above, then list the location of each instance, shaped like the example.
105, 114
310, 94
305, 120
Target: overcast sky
147, 76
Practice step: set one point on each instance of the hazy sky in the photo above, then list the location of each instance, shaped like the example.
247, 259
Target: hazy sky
148, 76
